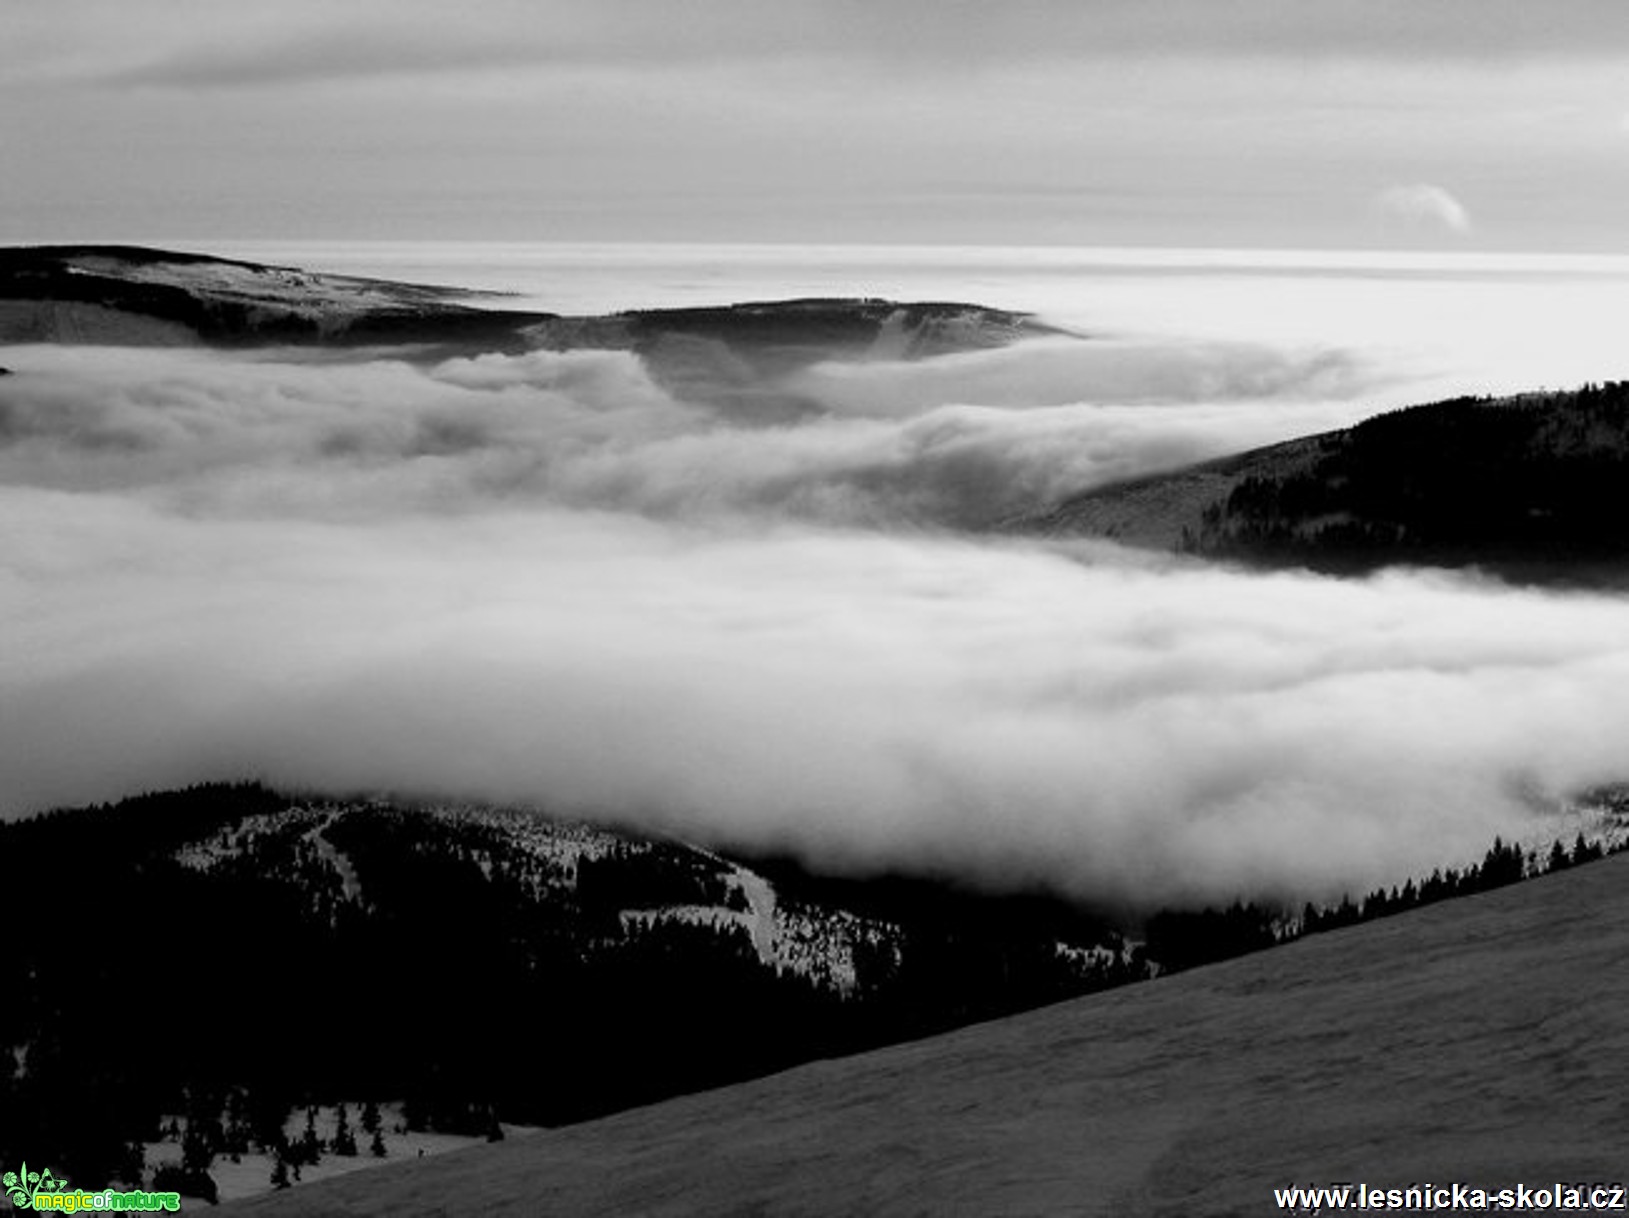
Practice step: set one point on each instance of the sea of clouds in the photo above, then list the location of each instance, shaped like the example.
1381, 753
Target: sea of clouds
545, 579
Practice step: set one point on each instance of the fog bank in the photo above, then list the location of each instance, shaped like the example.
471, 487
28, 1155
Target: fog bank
541, 579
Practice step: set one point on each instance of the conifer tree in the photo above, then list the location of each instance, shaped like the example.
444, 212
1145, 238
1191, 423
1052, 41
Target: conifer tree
310, 1143
344, 1141
196, 1153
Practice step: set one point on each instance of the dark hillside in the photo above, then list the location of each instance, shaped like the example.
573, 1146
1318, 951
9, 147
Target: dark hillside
226, 945
1480, 1041
1534, 487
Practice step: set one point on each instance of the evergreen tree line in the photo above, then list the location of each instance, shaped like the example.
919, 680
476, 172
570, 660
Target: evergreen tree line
473, 984
1179, 939
467, 980
1530, 484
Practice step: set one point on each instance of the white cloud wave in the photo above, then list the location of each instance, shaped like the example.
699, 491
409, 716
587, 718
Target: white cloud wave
1423, 205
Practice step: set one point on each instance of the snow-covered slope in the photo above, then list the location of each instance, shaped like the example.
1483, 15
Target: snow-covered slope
818, 943
132, 295
477, 965
1480, 1042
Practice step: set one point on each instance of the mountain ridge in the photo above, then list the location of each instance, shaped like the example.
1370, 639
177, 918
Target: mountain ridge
317, 950
1478, 1041
231, 302
1528, 487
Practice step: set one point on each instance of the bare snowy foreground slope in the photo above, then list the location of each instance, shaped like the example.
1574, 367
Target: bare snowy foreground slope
1481, 1041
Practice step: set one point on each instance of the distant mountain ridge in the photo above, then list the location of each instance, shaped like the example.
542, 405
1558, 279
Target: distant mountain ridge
117, 293
740, 359
1533, 487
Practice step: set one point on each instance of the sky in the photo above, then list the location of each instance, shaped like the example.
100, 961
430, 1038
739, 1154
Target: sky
1459, 124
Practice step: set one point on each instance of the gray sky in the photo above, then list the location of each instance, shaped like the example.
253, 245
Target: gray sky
1477, 124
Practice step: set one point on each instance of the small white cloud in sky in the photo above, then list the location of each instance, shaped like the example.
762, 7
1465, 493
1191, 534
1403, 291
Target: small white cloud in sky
1424, 205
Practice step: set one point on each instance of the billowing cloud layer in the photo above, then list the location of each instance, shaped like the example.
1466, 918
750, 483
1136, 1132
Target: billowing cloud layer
1424, 205
963, 440
542, 579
